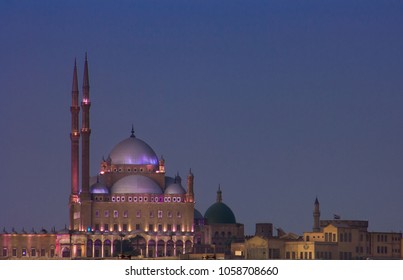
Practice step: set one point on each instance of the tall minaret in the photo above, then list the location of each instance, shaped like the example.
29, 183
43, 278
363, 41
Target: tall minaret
75, 145
85, 132
85, 198
316, 217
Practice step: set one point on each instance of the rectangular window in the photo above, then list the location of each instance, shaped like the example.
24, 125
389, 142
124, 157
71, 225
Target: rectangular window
159, 227
138, 214
137, 226
33, 252
150, 227
115, 227
124, 227
115, 213
14, 252
179, 215
24, 252
178, 227
4, 252
169, 227
43, 252
151, 214
125, 214
169, 214
106, 214
96, 226
97, 214
159, 214
52, 252
293, 255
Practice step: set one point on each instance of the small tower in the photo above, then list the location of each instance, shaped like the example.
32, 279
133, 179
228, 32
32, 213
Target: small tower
190, 181
316, 217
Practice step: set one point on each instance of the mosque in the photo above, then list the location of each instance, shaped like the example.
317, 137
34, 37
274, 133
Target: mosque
131, 207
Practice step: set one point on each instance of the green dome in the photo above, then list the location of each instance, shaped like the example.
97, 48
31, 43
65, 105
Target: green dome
219, 213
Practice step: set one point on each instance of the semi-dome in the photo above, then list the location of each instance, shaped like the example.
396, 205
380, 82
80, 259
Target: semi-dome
136, 184
219, 212
174, 188
198, 215
99, 188
133, 151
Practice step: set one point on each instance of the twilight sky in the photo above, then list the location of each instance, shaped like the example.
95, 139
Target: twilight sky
277, 101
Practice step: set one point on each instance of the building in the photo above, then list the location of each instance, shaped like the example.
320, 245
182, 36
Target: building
130, 207
335, 239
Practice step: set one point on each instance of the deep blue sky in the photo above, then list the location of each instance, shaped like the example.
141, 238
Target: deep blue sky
277, 101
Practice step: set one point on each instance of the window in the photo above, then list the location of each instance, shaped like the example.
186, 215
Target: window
179, 215
106, 227
106, 214
137, 226
169, 214
145, 199
151, 214
115, 227
169, 227
115, 213
4, 252
159, 227
178, 199
33, 252
43, 253
134, 199
138, 214
125, 214
140, 199
97, 213
130, 199
96, 226
113, 199
178, 227
150, 227
118, 199
124, 227
52, 252
24, 252
159, 214
14, 252
122, 199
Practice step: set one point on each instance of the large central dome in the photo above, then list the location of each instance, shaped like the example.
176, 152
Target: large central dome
133, 151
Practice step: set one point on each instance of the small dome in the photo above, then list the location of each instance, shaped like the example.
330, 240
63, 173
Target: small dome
219, 213
175, 188
197, 215
133, 151
99, 188
136, 184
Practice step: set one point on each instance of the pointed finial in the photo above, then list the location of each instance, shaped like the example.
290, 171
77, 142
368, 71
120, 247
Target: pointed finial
132, 135
219, 194
316, 200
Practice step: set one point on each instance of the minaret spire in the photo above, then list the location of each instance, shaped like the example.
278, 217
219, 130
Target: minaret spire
75, 145
316, 216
